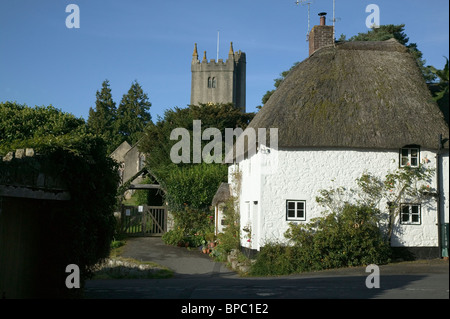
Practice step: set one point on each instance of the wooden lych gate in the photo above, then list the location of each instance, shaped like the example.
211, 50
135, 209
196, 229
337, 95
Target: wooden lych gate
143, 220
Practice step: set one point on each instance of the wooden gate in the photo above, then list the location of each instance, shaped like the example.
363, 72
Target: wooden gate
144, 220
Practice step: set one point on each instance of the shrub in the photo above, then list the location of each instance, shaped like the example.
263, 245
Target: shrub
349, 238
191, 227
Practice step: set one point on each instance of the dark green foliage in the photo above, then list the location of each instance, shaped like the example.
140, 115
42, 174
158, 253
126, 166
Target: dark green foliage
194, 186
133, 114
156, 140
89, 224
440, 89
349, 238
189, 188
229, 239
191, 227
82, 232
43, 126
102, 119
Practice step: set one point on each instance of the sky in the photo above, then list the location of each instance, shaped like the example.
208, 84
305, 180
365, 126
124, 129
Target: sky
43, 62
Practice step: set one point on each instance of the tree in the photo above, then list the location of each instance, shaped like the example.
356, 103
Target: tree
189, 188
133, 114
82, 231
42, 126
102, 119
440, 89
156, 140
386, 32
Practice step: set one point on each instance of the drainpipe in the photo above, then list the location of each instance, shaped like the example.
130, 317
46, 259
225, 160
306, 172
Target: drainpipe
438, 191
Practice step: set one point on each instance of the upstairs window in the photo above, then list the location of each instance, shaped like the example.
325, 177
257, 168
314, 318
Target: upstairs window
212, 83
409, 156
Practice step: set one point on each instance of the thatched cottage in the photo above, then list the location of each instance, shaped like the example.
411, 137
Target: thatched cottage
349, 108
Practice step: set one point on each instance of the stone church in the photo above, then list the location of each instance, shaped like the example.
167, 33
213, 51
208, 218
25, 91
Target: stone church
218, 81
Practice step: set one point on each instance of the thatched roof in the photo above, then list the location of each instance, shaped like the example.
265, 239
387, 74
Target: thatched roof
222, 194
354, 95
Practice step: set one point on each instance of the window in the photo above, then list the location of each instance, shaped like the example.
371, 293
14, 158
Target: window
295, 210
212, 83
410, 214
409, 156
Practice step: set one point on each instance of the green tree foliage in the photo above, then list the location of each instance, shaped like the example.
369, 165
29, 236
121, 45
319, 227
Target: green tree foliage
386, 32
83, 231
43, 126
102, 119
156, 140
348, 238
133, 114
87, 228
189, 188
194, 185
441, 88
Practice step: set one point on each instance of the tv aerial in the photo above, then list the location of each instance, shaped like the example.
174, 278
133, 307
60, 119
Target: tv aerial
307, 3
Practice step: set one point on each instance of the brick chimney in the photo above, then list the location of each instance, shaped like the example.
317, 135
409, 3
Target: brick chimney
321, 35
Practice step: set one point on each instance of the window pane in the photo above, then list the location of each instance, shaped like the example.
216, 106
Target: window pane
405, 152
300, 213
415, 218
414, 161
415, 209
291, 213
291, 205
405, 217
405, 161
414, 152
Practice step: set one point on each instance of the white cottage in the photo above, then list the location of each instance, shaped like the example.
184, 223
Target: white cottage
349, 108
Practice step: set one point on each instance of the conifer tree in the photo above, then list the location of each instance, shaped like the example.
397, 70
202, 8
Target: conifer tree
133, 114
102, 119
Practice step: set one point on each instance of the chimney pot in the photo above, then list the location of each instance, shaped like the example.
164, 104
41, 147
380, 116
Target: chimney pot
322, 17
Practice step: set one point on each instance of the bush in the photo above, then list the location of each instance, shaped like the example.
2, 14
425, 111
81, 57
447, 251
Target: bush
229, 239
349, 238
191, 227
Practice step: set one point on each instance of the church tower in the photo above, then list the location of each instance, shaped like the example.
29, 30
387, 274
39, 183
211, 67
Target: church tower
219, 81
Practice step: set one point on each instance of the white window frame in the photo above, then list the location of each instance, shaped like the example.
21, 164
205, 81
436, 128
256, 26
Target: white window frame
409, 158
411, 210
296, 210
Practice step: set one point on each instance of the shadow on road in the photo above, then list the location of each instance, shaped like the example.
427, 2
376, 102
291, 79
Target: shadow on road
199, 277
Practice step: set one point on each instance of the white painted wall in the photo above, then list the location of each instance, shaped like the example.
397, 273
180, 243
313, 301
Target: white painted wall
299, 174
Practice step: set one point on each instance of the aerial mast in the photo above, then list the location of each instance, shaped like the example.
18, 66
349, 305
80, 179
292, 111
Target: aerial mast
308, 3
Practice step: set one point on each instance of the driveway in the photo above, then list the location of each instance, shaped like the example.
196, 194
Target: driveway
181, 261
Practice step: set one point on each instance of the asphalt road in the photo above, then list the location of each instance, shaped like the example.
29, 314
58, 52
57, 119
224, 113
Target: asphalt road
197, 277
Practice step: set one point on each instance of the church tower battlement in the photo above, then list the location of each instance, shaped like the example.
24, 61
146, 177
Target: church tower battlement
218, 81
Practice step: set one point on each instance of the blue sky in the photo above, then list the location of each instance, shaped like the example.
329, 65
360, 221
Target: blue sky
43, 62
